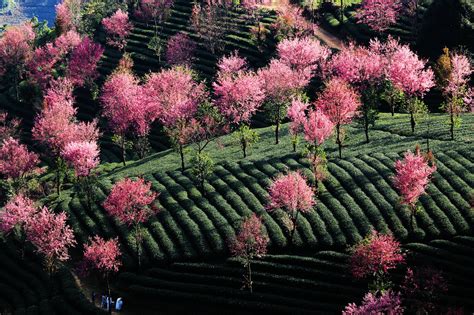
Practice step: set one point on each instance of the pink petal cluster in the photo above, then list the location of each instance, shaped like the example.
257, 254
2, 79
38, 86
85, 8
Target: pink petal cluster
297, 114
17, 212
56, 125
388, 302
154, 9
251, 241
379, 14
129, 201
358, 65
303, 54
180, 50
68, 15
339, 101
408, 72
461, 71
83, 156
15, 159
175, 95
238, 97
123, 104
292, 193
102, 255
8, 127
413, 175
231, 65
378, 253
50, 234
318, 127
291, 22
117, 27
16, 45
82, 66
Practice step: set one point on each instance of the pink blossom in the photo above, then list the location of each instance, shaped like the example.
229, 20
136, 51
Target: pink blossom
174, 95
82, 155
292, 193
339, 101
102, 255
51, 235
412, 176
231, 65
461, 71
180, 50
388, 303
317, 128
15, 159
302, 54
377, 254
239, 97
9, 127
379, 14
296, 113
117, 27
250, 242
68, 15
129, 201
154, 9
16, 213
82, 66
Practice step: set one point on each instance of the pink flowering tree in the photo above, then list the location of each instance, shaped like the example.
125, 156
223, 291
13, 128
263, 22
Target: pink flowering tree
176, 96
16, 49
340, 103
250, 242
82, 67
291, 193
130, 201
56, 125
9, 127
15, 215
238, 95
210, 25
297, 115
456, 90
68, 15
387, 302
423, 287
412, 176
374, 257
102, 256
83, 157
364, 69
117, 27
379, 15
409, 74
317, 128
180, 50
17, 164
51, 236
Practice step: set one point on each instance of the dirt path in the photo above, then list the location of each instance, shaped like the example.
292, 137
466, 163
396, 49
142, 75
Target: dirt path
328, 38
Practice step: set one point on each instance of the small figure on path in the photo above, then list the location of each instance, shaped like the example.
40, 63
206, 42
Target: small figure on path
119, 304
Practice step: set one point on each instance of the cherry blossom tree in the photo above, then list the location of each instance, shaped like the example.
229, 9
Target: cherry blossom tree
317, 128
379, 14
297, 115
303, 54
102, 256
16, 48
292, 194
68, 15
412, 176
248, 244
51, 236
209, 24
82, 67
9, 127
408, 73
16, 213
374, 257
238, 95
17, 163
176, 96
180, 50
364, 68
340, 103
281, 83
130, 202
117, 27
455, 86
387, 302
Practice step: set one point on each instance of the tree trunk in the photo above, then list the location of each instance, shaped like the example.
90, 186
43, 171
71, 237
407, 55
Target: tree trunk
451, 125
181, 155
244, 145
249, 276
412, 122
295, 220
294, 146
108, 293
366, 128
338, 139
122, 147
277, 128
392, 109
137, 243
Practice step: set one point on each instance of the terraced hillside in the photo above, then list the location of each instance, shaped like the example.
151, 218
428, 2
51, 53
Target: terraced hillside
26, 289
318, 283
